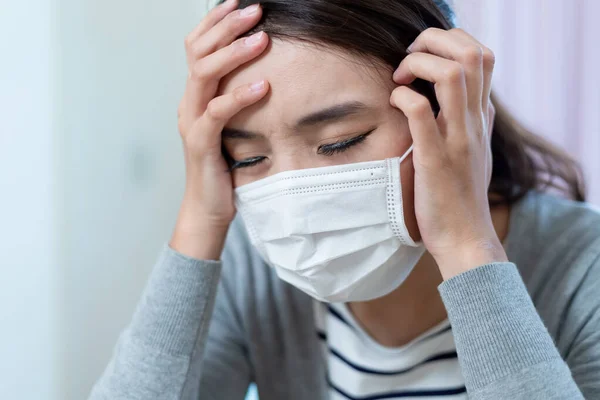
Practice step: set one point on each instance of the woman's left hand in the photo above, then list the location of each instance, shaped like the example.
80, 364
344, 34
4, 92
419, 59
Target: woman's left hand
452, 153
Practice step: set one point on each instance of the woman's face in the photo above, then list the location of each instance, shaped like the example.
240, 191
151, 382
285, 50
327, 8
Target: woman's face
323, 108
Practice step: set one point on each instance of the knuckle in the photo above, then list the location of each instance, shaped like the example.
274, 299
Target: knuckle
181, 126
473, 55
188, 42
395, 96
239, 95
489, 58
192, 51
491, 111
198, 49
397, 92
419, 107
454, 74
238, 48
431, 31
191, 48
426, 35
213, 111
232, 17
199, 72
410, 58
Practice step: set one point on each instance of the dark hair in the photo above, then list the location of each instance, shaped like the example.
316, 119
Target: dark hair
381, 31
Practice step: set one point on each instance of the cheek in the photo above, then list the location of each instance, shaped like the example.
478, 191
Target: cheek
393, 136
240, 179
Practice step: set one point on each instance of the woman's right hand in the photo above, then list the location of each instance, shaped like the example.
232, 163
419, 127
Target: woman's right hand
208, 207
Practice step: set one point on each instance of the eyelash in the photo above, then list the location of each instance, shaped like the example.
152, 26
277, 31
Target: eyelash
326, 150
340, 147
246, 163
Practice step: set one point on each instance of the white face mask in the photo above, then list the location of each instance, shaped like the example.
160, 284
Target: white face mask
337, 233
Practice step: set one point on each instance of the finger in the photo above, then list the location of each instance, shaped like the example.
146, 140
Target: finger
206, 73
211, 19
222, 108
225, 32
490, 119
454, 46
225, 60
491, 115
448, 77
421, 120
489, 61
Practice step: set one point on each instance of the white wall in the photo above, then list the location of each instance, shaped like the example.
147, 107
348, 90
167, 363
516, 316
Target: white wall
28, 312
91, 175
122, 73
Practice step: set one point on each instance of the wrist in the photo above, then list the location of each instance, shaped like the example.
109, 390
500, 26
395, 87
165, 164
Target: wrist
204, 244
198, 236
469, 256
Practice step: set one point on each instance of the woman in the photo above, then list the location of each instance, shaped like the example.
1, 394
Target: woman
384, 248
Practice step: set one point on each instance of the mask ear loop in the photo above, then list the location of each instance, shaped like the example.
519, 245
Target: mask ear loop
394, 201
410, 149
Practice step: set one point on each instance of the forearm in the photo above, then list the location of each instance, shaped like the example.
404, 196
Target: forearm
503, 346
152, 358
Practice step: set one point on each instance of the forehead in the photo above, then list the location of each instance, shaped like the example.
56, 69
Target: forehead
305, 77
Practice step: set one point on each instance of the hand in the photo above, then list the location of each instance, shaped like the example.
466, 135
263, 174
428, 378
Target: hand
452, 153
208, 205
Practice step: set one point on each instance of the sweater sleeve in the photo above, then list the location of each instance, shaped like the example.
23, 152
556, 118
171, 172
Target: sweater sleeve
159, 355
582, 317
504, 349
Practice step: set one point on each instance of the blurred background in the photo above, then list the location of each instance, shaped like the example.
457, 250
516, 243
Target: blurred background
91, 167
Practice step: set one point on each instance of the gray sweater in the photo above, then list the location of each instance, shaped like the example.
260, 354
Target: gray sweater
529, 329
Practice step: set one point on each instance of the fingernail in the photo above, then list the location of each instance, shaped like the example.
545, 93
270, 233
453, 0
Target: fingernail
229, 3
250, 40
257, 87
249, 10
410, 48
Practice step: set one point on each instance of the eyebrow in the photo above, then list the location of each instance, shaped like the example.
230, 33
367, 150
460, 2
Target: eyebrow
327, 115
332, 114
232, 133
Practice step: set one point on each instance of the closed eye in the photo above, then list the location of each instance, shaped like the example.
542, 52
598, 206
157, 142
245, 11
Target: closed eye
341, 146
248, 162
325, 149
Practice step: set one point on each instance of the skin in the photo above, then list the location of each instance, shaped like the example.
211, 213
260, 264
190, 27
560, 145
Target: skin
444, 181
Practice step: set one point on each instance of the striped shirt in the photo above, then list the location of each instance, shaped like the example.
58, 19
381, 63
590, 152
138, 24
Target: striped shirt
359, 368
